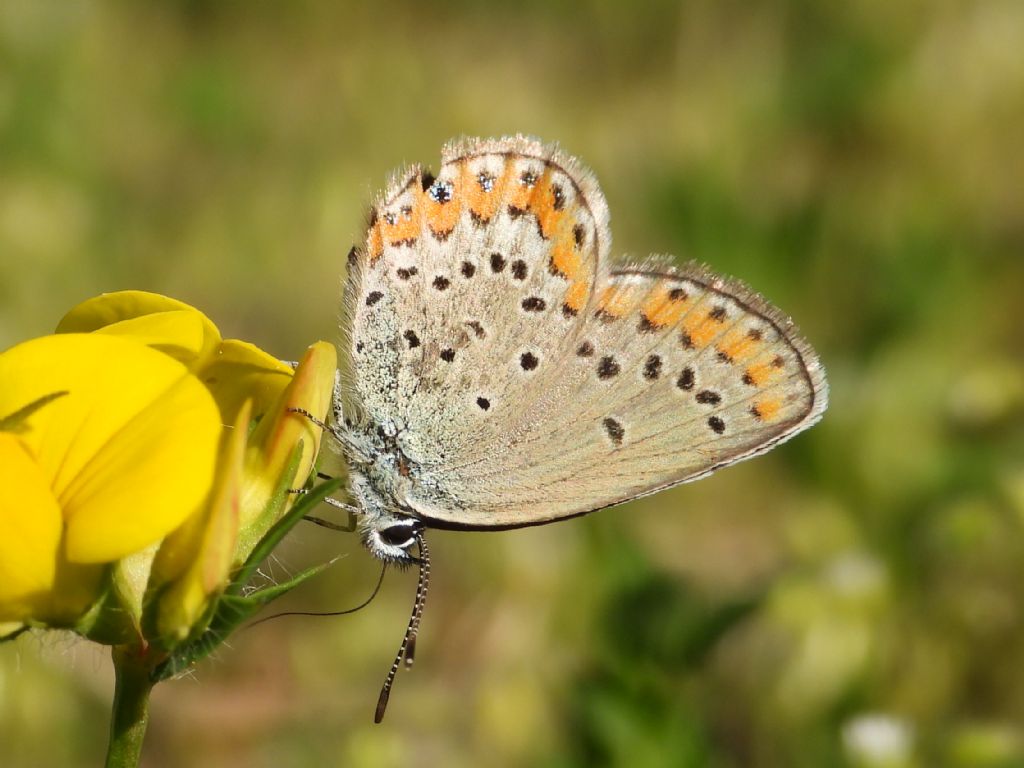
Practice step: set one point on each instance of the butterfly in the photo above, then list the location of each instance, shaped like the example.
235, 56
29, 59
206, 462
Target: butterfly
500, 370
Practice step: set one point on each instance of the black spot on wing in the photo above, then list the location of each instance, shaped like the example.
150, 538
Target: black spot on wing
686, 379
608, 367
652, 367
615, 430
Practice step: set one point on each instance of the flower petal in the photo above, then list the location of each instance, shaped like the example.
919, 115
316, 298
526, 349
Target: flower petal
310, 390
240, 371
30, 522
166, 324
129, 452
199, 555
273, 442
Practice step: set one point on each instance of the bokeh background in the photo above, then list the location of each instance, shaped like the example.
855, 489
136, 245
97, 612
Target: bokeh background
852, 599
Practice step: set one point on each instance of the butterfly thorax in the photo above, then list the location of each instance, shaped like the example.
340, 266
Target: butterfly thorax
381, 485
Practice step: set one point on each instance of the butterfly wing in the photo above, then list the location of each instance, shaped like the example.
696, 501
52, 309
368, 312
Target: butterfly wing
674, 374
499, 251
546, 383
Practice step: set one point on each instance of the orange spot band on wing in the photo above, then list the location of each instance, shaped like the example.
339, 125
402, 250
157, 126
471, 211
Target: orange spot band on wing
442, 217
483, 204
767, 409
576, 296
701, 328
407, 222
759, 373
738, 346
521, 194
549, 217
617, 301
565, 259
661, 309
374, 242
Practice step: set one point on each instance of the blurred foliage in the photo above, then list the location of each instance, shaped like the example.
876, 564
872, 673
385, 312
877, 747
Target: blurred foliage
851, 599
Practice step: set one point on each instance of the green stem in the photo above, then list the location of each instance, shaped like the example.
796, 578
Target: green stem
130, 715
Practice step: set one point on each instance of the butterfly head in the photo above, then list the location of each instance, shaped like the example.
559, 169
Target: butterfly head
393, 538
390, 533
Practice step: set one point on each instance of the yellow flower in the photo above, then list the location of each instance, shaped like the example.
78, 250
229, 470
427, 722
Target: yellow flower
99, 461
251, 492
127, 503
31, 519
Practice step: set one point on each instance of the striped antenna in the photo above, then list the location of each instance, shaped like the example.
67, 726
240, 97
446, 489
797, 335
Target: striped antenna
407, 649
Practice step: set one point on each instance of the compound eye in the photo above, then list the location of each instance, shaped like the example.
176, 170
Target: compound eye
397, 536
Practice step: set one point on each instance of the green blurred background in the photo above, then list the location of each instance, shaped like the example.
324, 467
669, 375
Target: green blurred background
851, 599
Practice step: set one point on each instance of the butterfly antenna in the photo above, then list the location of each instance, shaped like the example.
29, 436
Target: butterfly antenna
366, 602
407, 649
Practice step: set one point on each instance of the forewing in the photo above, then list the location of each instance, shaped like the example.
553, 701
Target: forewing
459, 276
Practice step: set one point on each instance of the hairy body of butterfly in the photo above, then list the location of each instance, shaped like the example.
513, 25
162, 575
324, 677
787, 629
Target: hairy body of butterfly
499, 370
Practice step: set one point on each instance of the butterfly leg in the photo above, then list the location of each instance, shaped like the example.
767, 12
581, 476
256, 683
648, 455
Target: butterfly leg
336, 400
347, 527
334, 431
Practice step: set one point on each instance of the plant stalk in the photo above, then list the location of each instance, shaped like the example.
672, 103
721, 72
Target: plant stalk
130, 714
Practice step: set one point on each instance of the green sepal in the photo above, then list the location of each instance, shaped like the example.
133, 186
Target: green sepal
150, 618
231, 612
105, 621
280, 529
233, 608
